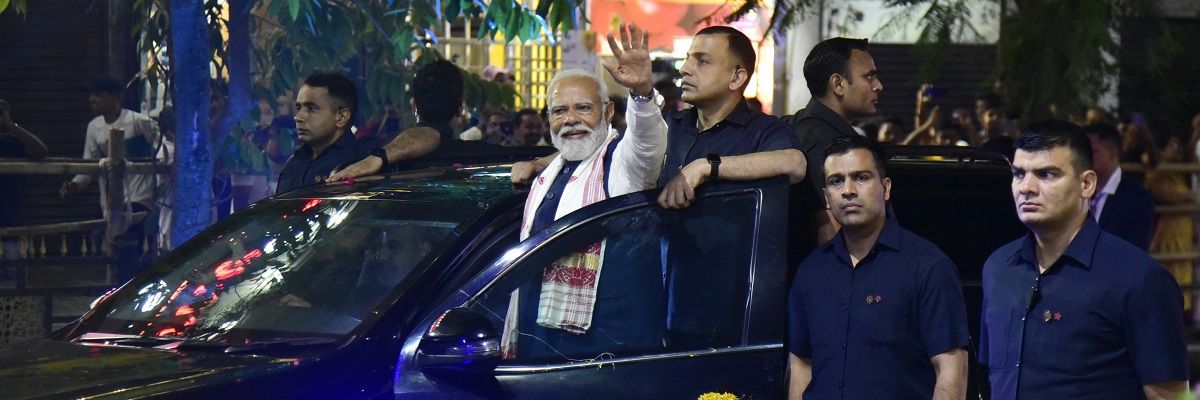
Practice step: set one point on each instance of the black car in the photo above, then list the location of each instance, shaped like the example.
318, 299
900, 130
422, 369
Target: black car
409, 286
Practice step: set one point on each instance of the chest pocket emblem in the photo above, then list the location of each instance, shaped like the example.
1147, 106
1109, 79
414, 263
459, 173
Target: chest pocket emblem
872, 299
1049, 316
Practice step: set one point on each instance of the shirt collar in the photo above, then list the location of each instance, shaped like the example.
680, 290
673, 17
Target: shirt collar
305, 151
1078, 254
741, 115
443, 129
819, 109
889, 238
1110, 187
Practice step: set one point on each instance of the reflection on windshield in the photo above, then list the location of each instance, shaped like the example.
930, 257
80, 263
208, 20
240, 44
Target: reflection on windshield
286, 268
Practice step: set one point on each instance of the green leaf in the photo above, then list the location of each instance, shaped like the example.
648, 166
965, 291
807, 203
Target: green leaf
3, 5
527, 23
514, 23
294, 9
453, 9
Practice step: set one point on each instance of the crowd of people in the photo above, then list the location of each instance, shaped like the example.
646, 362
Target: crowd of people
1075, 307
1099, 315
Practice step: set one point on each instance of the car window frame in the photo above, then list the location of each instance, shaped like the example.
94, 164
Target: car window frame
538, 241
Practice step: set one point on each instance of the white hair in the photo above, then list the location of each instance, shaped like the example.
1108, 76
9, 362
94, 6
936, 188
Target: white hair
579, 73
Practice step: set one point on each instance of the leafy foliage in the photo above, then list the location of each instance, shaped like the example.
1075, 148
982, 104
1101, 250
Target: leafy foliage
1051, 51
1057, 52
17, 5
381, 41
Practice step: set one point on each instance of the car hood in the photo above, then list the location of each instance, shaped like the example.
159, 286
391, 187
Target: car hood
43, 368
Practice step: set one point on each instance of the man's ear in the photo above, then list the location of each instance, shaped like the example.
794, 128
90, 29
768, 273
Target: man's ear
609, 112
343, 117
1088, 183
837, 84
740, 77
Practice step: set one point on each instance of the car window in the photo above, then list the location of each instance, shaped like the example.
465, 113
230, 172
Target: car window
285, 268
634, 282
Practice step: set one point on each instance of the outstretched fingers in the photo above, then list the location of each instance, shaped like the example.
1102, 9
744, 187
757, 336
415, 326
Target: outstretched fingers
625, 33
612, 44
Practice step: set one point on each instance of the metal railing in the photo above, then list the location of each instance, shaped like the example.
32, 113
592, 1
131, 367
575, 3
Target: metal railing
70, 248
1192, 209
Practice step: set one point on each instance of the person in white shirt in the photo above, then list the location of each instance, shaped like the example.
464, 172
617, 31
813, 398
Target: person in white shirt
142, 141
594, 163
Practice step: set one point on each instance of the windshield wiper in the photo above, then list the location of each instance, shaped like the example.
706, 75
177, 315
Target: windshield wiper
269, 344
173, 343
121, 339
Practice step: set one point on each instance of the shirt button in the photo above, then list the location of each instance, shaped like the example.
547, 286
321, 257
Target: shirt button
843, 346
839, 386
550, 195
846, 307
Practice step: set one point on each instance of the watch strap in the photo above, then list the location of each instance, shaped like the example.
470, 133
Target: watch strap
382, 154
714, 162
642, 99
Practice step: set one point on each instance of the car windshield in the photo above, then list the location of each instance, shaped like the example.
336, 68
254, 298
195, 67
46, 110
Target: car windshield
297, 268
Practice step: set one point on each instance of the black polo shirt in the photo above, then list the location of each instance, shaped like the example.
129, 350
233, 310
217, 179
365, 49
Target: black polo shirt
743, 131
816, 127
1106, 320
302, 170
451, 150
871, 329
709, 317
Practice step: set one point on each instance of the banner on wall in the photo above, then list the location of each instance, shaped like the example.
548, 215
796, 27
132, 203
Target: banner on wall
666, 20
579, 50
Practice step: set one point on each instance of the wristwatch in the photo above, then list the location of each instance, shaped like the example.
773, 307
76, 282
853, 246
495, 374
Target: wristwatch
642, 99
714, 160
382, 154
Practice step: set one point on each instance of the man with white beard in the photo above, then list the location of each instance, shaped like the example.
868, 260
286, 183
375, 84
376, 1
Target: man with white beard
555, 315
594, 163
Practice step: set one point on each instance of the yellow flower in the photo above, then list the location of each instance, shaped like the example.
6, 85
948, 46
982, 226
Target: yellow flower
718, 396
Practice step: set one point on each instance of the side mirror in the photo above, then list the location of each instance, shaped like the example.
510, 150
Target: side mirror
460, 339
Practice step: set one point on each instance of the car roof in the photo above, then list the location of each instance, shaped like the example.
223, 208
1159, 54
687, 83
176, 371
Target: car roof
490, 183
482, 185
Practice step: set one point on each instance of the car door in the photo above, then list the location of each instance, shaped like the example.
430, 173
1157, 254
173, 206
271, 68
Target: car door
658, 303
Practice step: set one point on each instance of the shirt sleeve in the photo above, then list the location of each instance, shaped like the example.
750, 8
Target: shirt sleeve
91, 151
779, 136
799, 339
638, 158
943, 312
147, 127
1154, 328
814, 144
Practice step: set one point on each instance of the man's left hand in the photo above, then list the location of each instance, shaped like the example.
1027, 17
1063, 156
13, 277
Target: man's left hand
680, 192
364, 167
633, 59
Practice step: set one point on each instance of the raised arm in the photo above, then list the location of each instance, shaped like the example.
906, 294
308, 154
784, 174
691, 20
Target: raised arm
638, 158
34, 148
680, 192
411, 144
